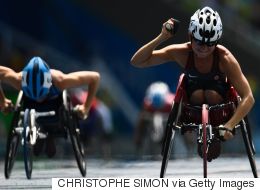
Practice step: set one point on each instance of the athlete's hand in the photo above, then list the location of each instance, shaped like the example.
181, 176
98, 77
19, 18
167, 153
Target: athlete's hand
166, 27
170, 27
6, 106
227, 133
82, 112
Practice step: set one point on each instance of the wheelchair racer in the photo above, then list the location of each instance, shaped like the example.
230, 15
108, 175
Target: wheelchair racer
40, 83
206, 63
156, 106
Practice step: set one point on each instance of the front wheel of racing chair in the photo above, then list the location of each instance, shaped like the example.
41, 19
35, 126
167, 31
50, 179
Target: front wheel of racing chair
74, 133
13, 139
27, 147
205, 124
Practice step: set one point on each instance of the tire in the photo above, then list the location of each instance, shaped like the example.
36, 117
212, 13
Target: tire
249, 146
27, 147
12, 145
205, 122
77, 145
249, 132
169, 138
167, 152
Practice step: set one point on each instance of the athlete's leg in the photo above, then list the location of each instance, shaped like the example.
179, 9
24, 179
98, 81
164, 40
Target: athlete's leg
197, 97
212, 97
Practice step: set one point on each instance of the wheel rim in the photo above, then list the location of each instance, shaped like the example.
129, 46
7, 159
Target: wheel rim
173, 117
249, 150
77, 147
205, 120
12, 145
11, 154
27, 148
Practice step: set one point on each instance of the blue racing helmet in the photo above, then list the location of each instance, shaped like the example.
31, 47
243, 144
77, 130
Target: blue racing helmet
156, 93
36, 79
157, 100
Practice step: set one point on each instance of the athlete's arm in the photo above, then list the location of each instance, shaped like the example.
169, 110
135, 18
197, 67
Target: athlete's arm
77, 79
12, 78
147, 55
240, 83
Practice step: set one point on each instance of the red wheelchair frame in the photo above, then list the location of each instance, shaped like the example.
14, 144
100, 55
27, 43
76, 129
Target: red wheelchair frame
205, 121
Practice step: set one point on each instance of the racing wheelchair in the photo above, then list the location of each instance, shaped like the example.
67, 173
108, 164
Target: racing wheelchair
206, 121
33, 120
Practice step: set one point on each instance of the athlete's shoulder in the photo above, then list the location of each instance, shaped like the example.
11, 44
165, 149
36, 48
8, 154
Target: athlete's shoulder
179, 52
223, 51
57, 75
224, 54
179, 47
227, 59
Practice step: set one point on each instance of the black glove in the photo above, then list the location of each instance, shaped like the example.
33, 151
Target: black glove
173, 28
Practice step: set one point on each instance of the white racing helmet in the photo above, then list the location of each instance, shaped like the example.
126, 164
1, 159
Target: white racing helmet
206, 26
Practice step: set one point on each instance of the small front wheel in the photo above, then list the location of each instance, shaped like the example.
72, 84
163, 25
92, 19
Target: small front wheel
27, 147
205, 122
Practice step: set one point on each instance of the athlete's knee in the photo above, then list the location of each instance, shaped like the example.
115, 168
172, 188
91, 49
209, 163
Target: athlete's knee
197, 97
212, 97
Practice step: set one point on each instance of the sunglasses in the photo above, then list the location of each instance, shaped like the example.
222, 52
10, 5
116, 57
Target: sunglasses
200, 43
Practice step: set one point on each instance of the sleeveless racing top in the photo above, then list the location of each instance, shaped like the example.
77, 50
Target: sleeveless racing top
213, 80
214, 75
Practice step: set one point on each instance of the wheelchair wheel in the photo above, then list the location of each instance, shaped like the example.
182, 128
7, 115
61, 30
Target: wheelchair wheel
244, 125
76, 142
249, 132
205, 122
27, 147
12, 145
169, 137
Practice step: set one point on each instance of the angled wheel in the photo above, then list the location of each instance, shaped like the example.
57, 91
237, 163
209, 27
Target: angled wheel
12, 145
77, 145
27, 147
169, 137
244, 125
205, 122
249, 134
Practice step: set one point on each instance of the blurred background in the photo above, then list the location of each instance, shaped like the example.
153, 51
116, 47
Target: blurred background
102, 36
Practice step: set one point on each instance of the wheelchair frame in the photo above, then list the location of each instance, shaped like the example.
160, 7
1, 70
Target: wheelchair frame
25, 129
204, 131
